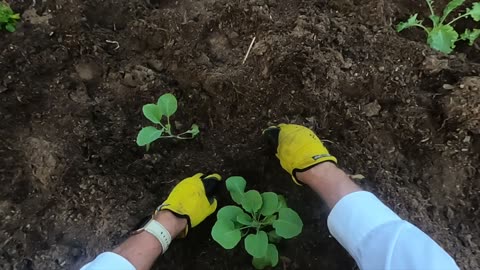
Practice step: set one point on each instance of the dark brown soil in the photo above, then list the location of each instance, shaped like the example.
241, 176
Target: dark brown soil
76, 74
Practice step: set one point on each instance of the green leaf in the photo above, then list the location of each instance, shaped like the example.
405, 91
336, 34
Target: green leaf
282, 202
10, 28
244, 218
257, 244
168, 104
225, 233
274, 237
152, 112
435, 19
270, 258
454, 4
412, 21
470, 35
270, 203
193, 130
229, 212
443, 38
147, 135
475, 11
252, 201
236, 185
15, 16
288, 224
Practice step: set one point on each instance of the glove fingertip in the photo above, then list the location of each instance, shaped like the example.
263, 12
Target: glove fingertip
215, 176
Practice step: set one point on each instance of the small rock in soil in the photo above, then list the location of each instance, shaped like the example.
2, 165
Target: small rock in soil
88, 71
372, 109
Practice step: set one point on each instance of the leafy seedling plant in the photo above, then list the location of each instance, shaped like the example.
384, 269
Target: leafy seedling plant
265, 219
160, 114
8, 18
442, 36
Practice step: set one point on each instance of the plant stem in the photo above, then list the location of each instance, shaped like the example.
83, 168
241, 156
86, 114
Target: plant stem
429, 3
421, 26
169, 126
458, 18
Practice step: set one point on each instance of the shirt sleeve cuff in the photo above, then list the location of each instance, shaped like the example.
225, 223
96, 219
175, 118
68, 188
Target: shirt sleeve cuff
356, 215
109, 260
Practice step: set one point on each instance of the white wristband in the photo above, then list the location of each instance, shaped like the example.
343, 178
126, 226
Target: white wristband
157, 230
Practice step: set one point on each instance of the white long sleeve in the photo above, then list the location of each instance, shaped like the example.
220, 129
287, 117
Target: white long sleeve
379, 239
109, 261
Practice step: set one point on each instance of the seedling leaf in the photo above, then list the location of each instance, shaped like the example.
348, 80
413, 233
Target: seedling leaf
412, 21
470, 35
147, 135
152, 112
193, 130
270, 203
257, 244
252, 201
225, 233
451, 6
8, 19
443, 38
270, 258
244, 218
10, 28
229, 212
236, 185
475, 12
288, 224
168, 104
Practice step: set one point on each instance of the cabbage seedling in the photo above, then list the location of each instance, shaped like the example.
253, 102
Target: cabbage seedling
8, 19
264, 220
160, 114
442, 36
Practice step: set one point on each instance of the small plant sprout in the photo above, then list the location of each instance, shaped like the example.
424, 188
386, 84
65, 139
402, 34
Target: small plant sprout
8, 19
264, 220
160, 114
442, 36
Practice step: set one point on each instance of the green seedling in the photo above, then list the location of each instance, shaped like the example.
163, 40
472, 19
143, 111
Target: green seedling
442, 36
8, 19
264, 220
160, 114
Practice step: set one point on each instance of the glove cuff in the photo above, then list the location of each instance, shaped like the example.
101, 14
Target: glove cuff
308, 167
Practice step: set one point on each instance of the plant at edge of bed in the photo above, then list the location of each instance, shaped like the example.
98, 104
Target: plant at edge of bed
8, 18
265, 219
442, 36
158, 113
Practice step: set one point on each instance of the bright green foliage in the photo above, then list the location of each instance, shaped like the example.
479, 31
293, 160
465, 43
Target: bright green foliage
225, 233
470, 35
271, 258
286, 225
264, 212
442, 36
256, 244
8, 19
166, 106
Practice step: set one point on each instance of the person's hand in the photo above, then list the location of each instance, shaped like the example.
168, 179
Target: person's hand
192, 199
298, 148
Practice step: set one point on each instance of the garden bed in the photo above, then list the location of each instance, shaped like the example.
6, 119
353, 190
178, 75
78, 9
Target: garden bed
76, 73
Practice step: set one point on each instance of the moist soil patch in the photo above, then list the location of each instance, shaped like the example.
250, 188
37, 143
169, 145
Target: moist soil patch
76, 73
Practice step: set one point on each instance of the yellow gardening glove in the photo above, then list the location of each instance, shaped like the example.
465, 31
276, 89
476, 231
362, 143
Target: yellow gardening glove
192, 198
298, 148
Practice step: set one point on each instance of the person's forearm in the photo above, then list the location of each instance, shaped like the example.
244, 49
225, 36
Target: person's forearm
142, 249
329, 182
